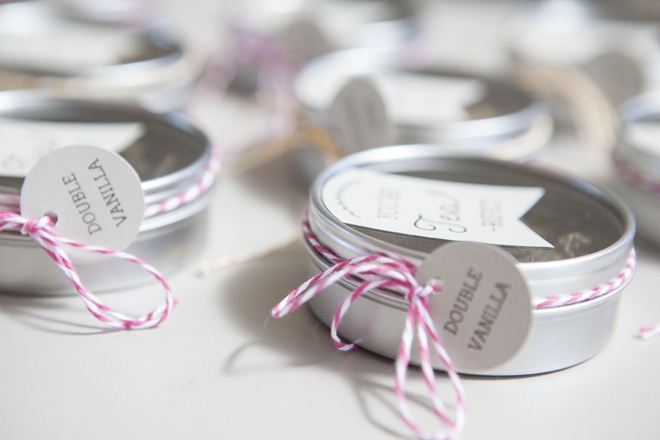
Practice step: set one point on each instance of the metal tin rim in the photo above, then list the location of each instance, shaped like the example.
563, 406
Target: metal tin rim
158, 224
534, 272
111, 70
13, 100
509, 124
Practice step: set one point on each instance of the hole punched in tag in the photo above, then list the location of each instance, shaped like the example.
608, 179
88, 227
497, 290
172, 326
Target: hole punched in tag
52, 216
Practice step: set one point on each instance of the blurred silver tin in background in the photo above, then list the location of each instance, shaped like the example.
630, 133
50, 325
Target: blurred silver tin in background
118, 11
637, 162
173, 159
68, 55
582, 237
625, 10
313, 28
367, 103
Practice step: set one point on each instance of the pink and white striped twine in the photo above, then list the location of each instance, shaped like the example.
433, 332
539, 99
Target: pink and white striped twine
251, 46
42, 232
392, 271
277, 72
633, 177
209, 175
205, 182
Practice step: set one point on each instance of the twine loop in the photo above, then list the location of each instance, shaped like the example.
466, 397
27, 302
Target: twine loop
42, 232
35, 226
380, 271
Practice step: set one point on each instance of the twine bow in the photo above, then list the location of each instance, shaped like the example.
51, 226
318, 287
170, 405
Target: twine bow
394, 273
41, 231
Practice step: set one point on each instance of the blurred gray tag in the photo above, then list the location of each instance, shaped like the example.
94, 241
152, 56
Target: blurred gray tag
96, 195
358, 118
484, 313
306, 40
618, 75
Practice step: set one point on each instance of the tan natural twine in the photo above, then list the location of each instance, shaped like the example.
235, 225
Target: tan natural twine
595, 118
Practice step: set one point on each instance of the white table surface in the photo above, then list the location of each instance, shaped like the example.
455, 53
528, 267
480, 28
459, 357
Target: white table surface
221, 368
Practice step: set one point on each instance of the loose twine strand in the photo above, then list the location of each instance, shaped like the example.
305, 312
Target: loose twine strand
210, 265
277, 71
41, 231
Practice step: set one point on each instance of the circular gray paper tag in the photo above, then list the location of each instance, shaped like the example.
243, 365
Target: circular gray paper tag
484, 313
358, 117
306, 40
618, 75
95, 194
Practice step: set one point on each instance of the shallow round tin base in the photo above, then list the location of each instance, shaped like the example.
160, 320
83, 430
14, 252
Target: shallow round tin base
560, 338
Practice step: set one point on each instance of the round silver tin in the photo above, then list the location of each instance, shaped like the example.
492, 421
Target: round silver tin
472, 115
592, 233
637, 162
169, 157
72, 56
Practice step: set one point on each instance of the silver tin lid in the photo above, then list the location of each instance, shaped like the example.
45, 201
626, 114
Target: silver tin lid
435, 106
591, 231
49, 48
170, 154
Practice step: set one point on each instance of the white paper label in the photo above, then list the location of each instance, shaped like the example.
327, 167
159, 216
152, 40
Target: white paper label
96, 195
358, 119
426, 99
434, 209
644, 136
484, 313
66, 48
22, 142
